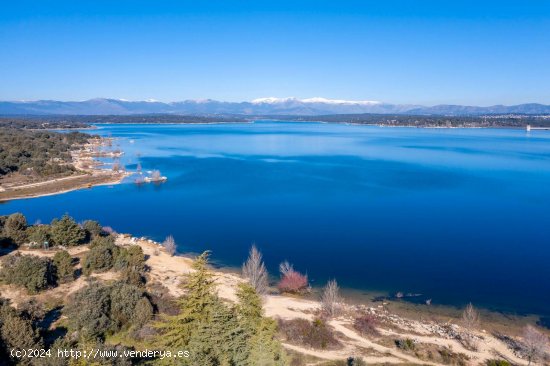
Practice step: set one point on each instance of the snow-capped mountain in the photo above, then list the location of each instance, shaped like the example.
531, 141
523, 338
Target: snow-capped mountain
261, 106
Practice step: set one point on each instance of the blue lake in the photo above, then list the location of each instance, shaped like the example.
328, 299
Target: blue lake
458, 215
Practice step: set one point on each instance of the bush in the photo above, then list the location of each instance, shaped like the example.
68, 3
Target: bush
449, 357
30, 271
88, 311
15, 228
92, 228
315, 334
498, 363
39, 234
101, 256
63, 266
66, 232
99, 309
163, 302
124, 298
405, 344
131, 257
293, 282
102, 240
143, 312
16, 332
366, 325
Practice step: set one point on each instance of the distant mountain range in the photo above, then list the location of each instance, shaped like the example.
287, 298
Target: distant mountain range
262, 106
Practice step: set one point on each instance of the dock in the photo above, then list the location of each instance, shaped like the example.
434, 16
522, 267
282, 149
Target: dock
529, 128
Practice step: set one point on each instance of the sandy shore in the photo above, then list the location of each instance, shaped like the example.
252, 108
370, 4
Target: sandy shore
169, 270
89, 174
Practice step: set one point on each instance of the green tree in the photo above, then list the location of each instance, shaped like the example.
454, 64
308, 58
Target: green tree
100, 309
263, 346
63, 266
16, 331
196, 307
92, 228
15, 228
101, 256
88, 312
219, 340
143, 312
124, 298
30, 271
66, 231
39, 234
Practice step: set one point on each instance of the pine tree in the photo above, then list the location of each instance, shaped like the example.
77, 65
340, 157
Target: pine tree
66, 231
263, 346
266, 350
15, 228
219, 340
63, 266
196, 307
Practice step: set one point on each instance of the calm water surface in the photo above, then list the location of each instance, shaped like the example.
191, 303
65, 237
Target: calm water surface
458, 215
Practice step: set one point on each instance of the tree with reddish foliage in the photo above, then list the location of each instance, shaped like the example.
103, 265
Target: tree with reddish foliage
292, 281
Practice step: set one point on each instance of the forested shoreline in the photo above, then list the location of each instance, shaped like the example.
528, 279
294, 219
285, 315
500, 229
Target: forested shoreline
35, 153
397, 120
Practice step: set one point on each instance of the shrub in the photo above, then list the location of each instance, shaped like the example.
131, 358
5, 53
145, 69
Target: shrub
315, 334
366, 325
15, 228
405, 344
143, 312
63, 266
163, 302
293, 282
99, 309
101, 256
102, 240
124, 298
498, 363
92, 228
88, 311
132, 263
32, 309
67, 232
355, 361
39, 234
131, 257
30, 271
16, 332
449, 357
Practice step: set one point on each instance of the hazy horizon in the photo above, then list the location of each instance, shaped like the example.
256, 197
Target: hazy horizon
257, 101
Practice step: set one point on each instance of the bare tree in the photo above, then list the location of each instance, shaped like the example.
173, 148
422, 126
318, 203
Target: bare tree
470, 318
330, 299
255, 272
535, 343
155, 175
470, 321
170, 245
285, 268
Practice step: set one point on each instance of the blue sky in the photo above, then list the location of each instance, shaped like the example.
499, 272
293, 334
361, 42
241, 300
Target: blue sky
427, 52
